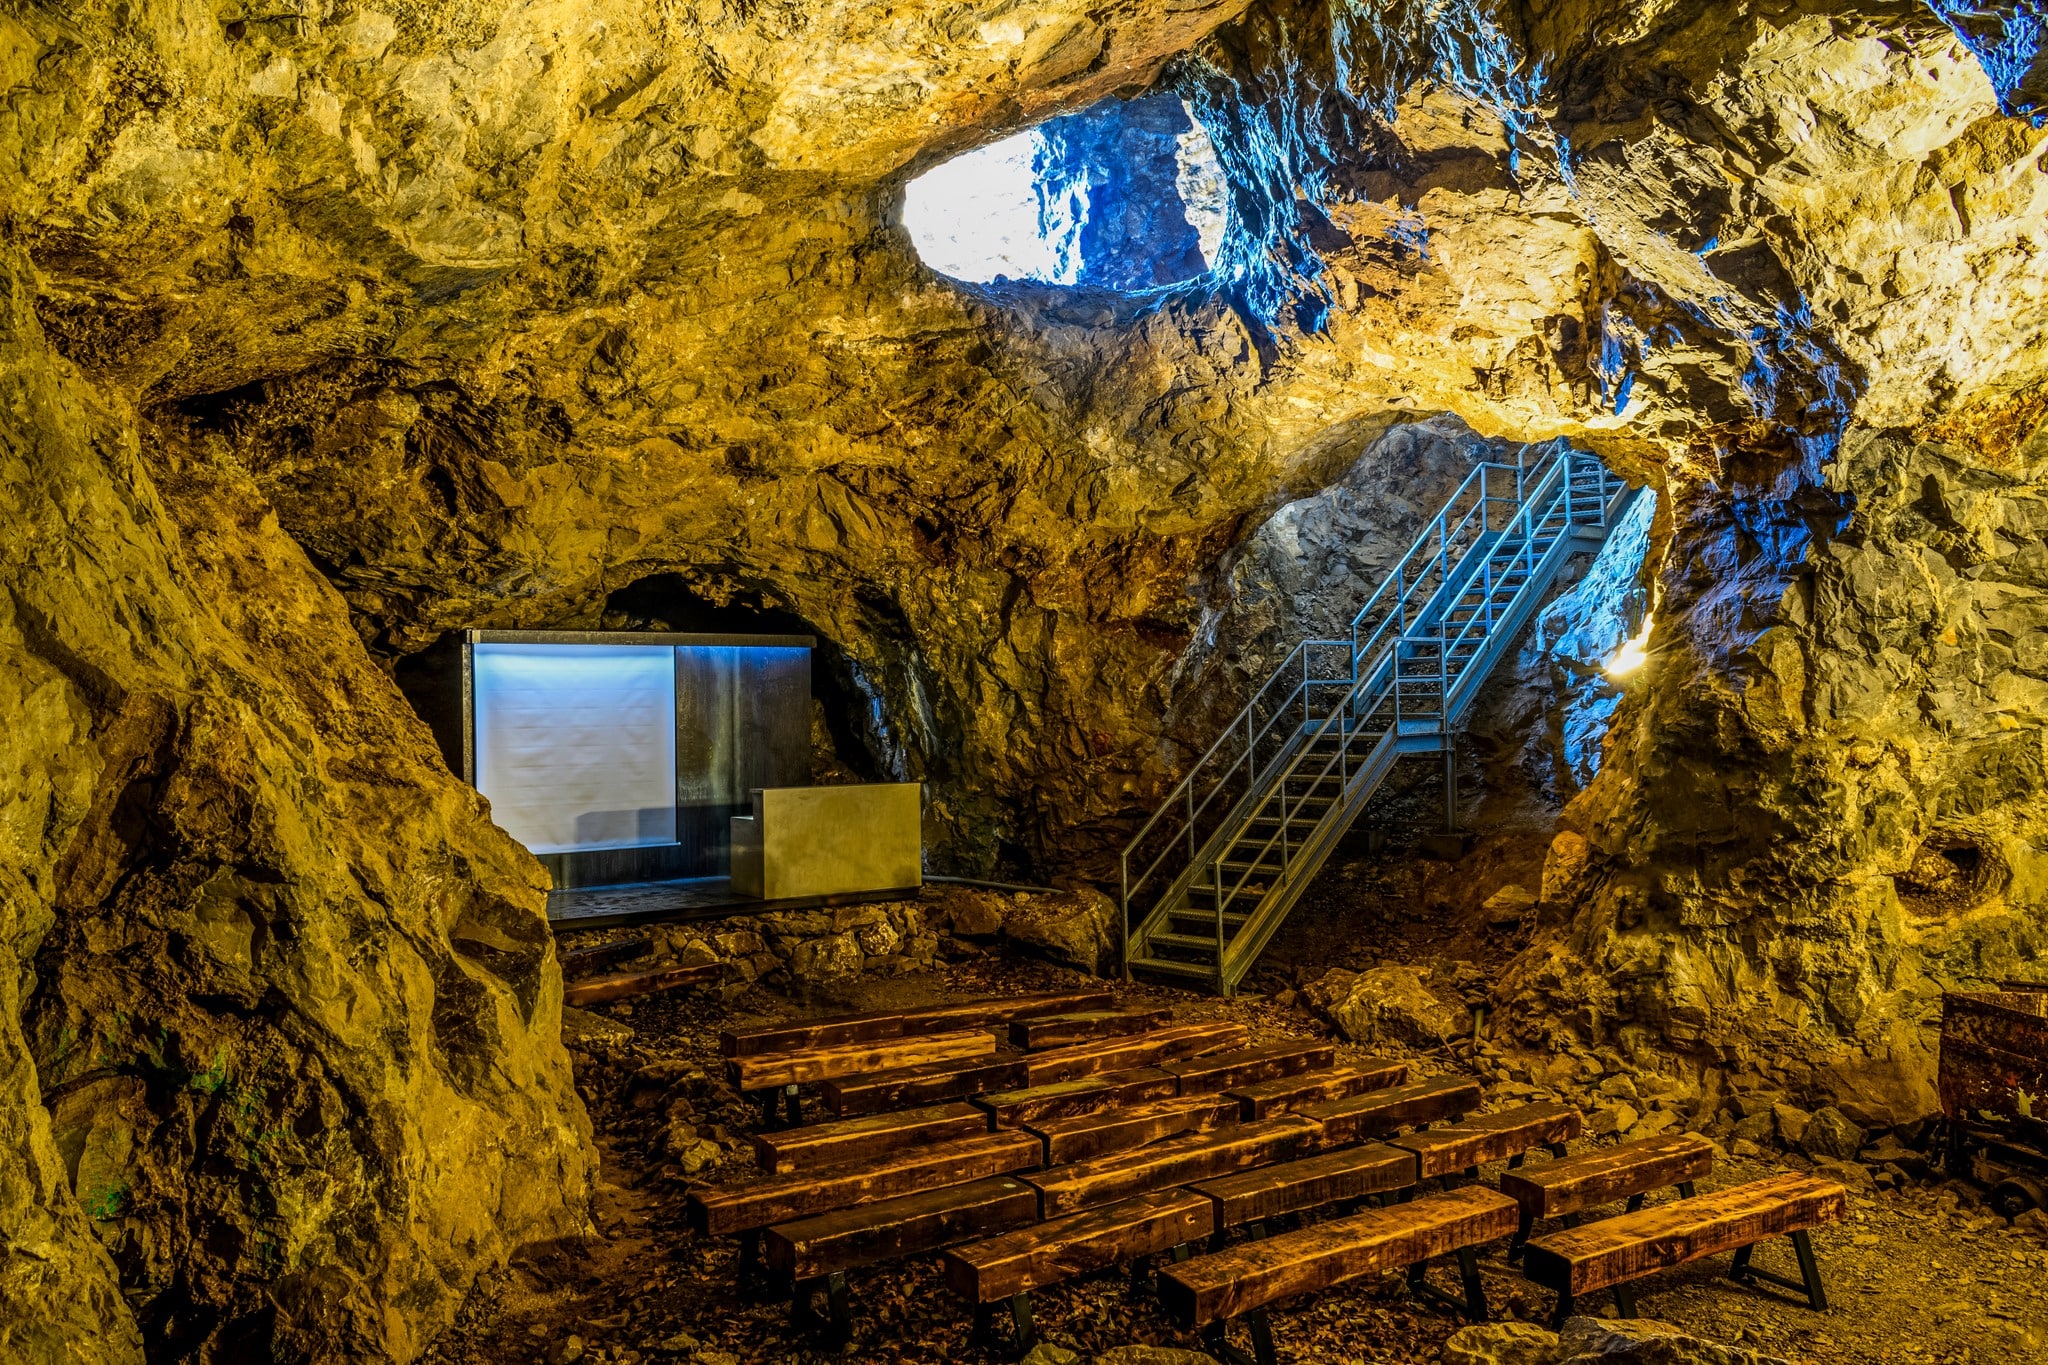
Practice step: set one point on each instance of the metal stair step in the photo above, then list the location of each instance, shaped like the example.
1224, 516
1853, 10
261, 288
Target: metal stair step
1187, 943
1199, 971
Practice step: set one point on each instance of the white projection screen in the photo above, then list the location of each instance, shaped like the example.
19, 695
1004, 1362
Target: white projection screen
575, 745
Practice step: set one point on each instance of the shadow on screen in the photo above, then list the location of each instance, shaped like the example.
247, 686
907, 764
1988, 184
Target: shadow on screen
626, 828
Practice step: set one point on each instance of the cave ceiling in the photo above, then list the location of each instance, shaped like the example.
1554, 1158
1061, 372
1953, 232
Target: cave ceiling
330, 328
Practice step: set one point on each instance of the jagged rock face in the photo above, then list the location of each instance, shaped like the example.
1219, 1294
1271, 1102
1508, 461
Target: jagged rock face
1117, 168
486, 312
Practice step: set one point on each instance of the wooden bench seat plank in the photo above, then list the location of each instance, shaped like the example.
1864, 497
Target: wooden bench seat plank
912, 1086
907, 1225
1483, 1138
1615, 1250
1087, 1026
783, 1198
592, 990
1253, 1275
1009, 1108
1285, 1094
1079, 1137
1249, 1066
771, 1070
856, 1139
1580, 1182
1175, 1161
1379, 1112
1309, 1183
1156, 1048
1079, 1244
798, 1034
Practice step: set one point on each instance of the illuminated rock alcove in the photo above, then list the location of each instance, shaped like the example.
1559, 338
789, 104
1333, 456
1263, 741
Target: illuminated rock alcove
1059, 369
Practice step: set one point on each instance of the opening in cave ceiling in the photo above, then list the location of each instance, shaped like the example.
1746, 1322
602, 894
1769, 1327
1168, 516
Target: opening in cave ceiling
1124, 195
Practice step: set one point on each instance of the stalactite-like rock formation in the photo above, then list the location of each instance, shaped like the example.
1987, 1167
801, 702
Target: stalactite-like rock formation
332, 327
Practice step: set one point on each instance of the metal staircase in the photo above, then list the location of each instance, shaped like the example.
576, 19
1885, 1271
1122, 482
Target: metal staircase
1216, 869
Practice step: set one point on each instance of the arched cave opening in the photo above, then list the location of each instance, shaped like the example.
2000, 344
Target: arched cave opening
1125, 195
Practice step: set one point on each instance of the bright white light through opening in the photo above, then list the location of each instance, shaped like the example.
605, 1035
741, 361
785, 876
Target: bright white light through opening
1634, 653
997, 212
976, 217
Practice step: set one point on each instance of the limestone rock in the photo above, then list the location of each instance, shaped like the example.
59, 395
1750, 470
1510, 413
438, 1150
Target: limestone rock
1597, 1341
1389, 1004
1077, 928
1830, 1134
1501, 1343
832, 957
1045, 1353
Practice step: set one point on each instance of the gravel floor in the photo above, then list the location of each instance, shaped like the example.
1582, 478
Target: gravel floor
1916, 1275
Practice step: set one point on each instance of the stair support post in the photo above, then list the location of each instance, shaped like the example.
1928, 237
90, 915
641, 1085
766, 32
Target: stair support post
1222, 981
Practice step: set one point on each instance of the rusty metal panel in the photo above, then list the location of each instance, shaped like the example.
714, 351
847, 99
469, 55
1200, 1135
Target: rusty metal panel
1994, 1054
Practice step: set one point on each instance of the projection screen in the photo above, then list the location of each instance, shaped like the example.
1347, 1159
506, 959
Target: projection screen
575, 745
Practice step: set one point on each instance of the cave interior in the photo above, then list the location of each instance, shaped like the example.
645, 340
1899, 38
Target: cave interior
1483, 543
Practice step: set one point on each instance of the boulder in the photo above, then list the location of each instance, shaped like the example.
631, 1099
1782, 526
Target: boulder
1501, 1343
1640, 1341
1076, 928
831, 958
1045, 1353
1792, 1121
1153, 1355
1830, 1134
975, 914
1389, 1004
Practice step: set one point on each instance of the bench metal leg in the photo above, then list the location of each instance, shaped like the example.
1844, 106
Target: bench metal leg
792, 1107
1635, 1203
1808, 1283
1624, 1301
837, 1326
1020, 1320
1685, 1190
1521, 1237
768, 1100
1558, 1150
1474, 1302
1515, 1161
1181, 1251
1216, 1337
1562, 1311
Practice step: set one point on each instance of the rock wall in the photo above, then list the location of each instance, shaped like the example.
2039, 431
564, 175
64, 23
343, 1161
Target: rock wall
333, 328
290, 1003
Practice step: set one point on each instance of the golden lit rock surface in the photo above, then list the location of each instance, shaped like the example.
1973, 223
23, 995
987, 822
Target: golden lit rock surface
333, 327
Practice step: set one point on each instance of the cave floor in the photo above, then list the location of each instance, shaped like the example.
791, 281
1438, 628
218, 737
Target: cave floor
1915, 1275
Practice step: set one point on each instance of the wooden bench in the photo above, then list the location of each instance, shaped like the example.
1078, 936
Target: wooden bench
1463, 1147
1012, 1265
1079, 1137
1210, 1291
772, 1073
1346, 1176
783, 1198
1286, 1094
1565, 1189
1249, 1066
1175, 1161
1009, 1108
1061, 1030
850, 1140
815, 1253
592, 990
1121, 1054
879, 1024
1614, 1251
912, 1086
1379, 1112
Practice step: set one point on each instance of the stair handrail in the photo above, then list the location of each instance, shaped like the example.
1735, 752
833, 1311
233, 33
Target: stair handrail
1244, 719
1544, 493
1524, 545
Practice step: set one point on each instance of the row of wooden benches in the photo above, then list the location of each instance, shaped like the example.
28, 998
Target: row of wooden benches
1083, 1165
